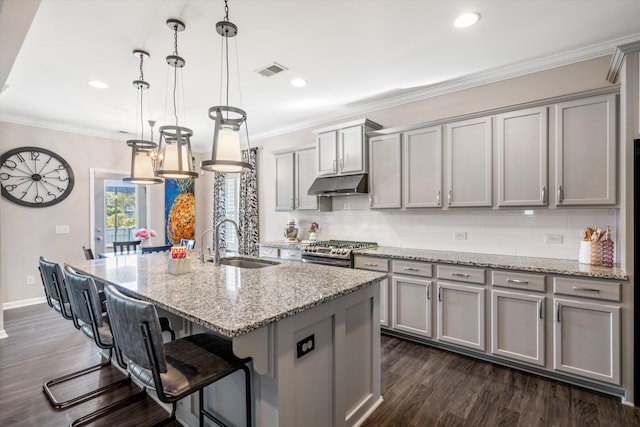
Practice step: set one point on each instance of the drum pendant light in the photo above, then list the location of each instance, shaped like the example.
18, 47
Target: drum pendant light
175, 158
226, 152
143, 152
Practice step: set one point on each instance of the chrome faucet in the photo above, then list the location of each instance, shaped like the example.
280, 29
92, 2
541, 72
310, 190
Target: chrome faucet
209, 230
216, 240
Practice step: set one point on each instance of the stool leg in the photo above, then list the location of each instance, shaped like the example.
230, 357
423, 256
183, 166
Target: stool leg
247, 385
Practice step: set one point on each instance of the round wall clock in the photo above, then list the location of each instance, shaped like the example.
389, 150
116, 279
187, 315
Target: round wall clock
35, 177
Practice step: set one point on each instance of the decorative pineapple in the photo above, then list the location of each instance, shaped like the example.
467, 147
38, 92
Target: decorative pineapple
181, 222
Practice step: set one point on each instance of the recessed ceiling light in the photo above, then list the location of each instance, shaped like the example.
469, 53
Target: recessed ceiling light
98, 84
466, 20
299, 82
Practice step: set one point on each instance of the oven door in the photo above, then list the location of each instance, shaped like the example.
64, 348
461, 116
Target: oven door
336, 262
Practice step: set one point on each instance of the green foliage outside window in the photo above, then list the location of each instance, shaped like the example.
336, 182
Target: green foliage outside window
124, 205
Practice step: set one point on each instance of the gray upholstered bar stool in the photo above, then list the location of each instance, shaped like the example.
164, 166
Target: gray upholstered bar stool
175, 369
57, 291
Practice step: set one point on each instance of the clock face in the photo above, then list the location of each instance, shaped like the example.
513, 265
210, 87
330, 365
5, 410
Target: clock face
35, 177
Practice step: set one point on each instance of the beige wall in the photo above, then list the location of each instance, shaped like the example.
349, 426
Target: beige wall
26, 233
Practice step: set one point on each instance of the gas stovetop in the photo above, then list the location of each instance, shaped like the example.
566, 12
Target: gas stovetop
334, 248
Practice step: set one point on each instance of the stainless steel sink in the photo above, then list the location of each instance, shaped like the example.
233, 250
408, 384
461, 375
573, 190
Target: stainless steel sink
247, 263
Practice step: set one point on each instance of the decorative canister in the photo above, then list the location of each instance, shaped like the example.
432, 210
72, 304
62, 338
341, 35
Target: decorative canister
584, 256
291, 232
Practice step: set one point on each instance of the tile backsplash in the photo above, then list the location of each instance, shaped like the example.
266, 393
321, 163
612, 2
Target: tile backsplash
548, 233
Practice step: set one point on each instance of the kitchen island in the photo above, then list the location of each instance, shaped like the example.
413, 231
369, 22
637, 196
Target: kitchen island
312, 332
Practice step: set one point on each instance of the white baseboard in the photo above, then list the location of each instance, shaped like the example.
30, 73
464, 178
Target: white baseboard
3, 334
23, 303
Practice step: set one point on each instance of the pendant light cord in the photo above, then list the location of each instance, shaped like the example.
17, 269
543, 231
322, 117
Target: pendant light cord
141, 89
175, 72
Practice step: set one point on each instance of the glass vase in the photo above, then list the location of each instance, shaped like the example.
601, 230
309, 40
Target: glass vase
595, 252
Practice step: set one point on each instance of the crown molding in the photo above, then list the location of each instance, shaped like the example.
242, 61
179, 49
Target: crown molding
617, 59
44, 124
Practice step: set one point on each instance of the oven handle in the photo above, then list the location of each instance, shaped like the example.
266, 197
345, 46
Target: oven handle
333, 262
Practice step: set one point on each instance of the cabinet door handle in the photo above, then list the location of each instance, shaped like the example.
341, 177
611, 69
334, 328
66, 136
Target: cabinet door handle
370, 264
411, 269
291, 202
460, 274
449, 197
558, 312
439, 294
438, 199
429, 291
342, 164
560, 194
518, 282
544, 194
370, 198
540, 309
579, 288
334, 166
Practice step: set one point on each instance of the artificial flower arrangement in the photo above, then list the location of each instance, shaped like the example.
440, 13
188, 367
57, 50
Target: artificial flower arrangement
144, 234
314, 227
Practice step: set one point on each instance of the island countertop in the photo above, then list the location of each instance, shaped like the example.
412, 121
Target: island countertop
228, 300
532, 264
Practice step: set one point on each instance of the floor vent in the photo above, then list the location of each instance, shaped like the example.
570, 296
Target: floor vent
271, 70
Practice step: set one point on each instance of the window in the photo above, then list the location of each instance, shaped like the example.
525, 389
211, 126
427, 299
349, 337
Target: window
232, 194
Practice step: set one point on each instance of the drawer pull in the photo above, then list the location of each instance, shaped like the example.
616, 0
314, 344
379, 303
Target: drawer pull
429, 291
578, 288
540, 308
370, 264
411, 269
460, 274
518, 282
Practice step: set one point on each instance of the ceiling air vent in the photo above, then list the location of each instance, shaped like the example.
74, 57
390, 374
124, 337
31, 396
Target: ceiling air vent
271, 69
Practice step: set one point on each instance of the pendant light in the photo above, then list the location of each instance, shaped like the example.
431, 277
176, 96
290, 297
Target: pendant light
226, 154
143, 152
175, 158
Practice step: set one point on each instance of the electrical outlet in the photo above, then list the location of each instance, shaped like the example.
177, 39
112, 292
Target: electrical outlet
63, 229
460, 235
553, 238
304, 346
31, 280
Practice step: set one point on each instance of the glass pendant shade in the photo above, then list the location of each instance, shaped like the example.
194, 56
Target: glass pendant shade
175, 158
143, 156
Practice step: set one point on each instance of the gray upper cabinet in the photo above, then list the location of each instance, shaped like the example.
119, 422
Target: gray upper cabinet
469, 163
295, 172
522, 157
586, 151
342, 149
385, 179
304, 176
284, 181
422, 168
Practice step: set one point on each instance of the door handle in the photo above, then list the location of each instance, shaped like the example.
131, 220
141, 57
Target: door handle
560, 194
450, 197
439, 294
334, 166
438, 198
342, 163
558, 312
544, 194
98, 237
540, 309
428, 291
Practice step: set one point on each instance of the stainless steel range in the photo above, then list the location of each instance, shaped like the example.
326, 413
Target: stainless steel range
333, 252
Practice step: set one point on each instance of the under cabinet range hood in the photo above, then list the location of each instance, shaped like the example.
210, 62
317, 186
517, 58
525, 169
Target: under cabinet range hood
339, 185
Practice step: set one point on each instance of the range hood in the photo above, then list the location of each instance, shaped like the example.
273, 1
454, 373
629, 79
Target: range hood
339, 185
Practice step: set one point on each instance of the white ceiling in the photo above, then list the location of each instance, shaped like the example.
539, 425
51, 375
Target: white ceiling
354, 53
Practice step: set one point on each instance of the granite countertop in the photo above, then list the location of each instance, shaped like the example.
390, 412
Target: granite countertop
229, 300
536, 265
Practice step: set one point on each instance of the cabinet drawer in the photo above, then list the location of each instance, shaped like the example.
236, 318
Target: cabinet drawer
461, 274
371, 263
413, 268
269, 251
609, 291
514, 280
294, 254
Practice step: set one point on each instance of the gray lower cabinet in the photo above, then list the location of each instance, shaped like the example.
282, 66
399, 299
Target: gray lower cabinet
411, 296
377, 264
290, 253
587, 330
461, 315
517, 326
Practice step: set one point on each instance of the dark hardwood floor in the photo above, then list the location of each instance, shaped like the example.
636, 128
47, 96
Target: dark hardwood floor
41, 346
422, 386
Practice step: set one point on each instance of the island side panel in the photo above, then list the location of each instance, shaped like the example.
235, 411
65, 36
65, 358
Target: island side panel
323, 387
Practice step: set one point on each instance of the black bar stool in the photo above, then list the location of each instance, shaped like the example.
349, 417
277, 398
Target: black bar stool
178, 368
58, 293
124, 247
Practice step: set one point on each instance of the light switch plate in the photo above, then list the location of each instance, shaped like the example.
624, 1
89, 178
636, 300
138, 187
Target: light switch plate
460, 235
553, 238
63, 229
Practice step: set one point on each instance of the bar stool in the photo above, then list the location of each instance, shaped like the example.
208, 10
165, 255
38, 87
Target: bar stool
90, 319
126, 247
178, 368
57, 292
88, 253
151, 249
